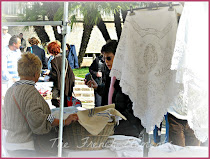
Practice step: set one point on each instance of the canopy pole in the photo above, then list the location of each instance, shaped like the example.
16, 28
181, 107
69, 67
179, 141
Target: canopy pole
146, 143
64, 32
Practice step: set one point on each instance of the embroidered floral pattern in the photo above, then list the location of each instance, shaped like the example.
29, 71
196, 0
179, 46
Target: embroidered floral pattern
142, 63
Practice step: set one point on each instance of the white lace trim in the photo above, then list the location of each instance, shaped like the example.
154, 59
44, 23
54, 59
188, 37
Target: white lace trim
190, 60
142, 63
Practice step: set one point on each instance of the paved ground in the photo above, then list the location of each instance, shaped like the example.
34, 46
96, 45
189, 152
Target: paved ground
84, 93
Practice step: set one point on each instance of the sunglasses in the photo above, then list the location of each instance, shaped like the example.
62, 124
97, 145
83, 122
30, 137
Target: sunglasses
107, 58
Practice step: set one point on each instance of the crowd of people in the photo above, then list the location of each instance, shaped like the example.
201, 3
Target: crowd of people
27, 108
23, 104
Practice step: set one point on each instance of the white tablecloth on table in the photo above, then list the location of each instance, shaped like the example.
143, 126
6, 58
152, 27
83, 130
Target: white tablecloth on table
87, 154
169, 150
125, 146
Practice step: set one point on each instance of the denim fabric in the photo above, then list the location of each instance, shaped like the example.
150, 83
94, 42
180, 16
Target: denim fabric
157, 138
72, 57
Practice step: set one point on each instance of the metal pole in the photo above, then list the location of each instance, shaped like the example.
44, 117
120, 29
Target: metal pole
34, 23
146, 144
60, 137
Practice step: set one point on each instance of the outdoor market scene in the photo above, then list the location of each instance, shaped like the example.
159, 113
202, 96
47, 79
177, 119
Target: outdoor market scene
104, 79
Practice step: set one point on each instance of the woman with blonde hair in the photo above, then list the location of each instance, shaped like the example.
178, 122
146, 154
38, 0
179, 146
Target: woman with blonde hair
35, 49
26, 112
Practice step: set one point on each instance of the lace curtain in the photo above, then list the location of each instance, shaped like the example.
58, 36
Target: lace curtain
142, 63
190, 60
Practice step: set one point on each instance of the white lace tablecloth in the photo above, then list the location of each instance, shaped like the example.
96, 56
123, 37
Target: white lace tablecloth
142, 63
190, 60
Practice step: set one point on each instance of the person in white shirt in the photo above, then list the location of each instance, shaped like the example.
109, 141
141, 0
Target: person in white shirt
5, 36
10, 55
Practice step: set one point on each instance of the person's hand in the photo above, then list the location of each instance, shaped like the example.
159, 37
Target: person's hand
14, 79
71, 118
47, 72
91, 84
99, 74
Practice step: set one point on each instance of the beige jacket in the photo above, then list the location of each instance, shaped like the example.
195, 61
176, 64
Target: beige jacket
35, 109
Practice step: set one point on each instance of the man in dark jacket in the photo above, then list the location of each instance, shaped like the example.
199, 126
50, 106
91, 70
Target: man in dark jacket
132, 126
98, 69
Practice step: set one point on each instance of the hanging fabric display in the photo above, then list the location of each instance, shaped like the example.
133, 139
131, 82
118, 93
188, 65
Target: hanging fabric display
142, 63
190, 60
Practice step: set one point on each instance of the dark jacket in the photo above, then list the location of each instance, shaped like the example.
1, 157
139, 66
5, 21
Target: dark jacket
23, 45
95, 67
40, 53
103, 88
132, 126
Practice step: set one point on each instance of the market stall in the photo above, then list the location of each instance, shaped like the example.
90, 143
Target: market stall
150, 89
155, 64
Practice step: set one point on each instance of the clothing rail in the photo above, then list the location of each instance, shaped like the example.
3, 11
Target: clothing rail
154, 6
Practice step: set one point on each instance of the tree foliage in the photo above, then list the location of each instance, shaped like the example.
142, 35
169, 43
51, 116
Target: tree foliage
92, 13
92, 16
36, 13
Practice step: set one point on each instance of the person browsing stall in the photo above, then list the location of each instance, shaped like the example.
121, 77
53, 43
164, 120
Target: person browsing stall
108, 51
35, 49
98, 69
132, 126
10, 55
55, 75
26, 112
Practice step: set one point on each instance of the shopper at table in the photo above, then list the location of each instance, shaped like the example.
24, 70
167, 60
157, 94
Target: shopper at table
35, 49
132, 126
55, 75
26, 112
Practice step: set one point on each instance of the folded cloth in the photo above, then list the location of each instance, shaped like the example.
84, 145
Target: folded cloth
94, 120
125, 146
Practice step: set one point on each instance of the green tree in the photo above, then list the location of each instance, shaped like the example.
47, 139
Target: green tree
119, 9
35, 13
44, 11
91, 12
92, 17
102, 27
52, 9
